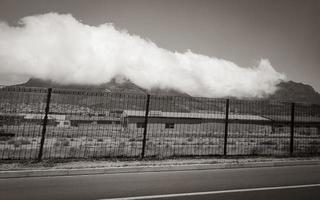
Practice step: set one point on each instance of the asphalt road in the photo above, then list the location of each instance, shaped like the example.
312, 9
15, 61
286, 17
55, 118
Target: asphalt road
299, 182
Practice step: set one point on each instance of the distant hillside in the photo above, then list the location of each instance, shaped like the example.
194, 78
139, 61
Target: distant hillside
296, 92
288, 91
112, 86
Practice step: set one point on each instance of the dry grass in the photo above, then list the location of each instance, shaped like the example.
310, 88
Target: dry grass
91, 141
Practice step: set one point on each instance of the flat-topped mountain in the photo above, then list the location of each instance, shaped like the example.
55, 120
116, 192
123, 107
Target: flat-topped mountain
287, 91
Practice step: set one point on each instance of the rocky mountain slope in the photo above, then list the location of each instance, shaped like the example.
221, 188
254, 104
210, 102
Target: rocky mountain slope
287, 91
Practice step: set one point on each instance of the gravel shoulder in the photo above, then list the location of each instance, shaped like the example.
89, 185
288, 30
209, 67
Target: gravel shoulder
121, 163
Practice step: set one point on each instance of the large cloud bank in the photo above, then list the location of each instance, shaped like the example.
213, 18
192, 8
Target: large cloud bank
57, 47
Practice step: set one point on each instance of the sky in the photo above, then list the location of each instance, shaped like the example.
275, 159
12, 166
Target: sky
286, 32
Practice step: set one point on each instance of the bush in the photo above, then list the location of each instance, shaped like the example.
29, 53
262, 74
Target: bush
256, 151
74, 151
132, 139
12, 141
65, 142
314, 142
122, 145
25, 141
18, 142
211, 142
5, 136
313, 147
190, 139
268, 142
57, 144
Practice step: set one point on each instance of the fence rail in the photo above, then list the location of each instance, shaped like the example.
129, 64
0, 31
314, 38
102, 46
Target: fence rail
40, 123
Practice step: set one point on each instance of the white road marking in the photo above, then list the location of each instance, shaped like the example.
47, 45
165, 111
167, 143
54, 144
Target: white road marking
214, 192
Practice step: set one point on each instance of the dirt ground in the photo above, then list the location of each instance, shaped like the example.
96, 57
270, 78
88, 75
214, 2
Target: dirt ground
114, 163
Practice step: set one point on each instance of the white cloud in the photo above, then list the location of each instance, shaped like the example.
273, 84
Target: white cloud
60, 48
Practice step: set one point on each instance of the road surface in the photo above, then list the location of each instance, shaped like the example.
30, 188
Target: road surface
298, 182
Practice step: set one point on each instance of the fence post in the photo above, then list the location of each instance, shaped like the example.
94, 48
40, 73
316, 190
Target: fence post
145, 126
226, 129
44, 125
292, 129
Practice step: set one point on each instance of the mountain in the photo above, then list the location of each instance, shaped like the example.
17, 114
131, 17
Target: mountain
112, 86
296, 92
121, 86
287, 91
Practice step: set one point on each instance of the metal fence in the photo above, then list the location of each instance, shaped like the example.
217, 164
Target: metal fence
39, 123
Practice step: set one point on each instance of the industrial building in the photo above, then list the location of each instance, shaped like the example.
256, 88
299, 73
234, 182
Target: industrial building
190, 121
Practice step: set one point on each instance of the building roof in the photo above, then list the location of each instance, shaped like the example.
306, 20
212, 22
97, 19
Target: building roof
60, 117
41, 116
191, 115
287, 118
91, 118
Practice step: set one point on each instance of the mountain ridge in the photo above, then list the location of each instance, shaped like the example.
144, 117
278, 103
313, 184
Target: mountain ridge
287, 91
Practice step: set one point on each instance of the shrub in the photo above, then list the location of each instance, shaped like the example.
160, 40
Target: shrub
12, 141
183, 143
133, 144
73, 151
122, 144
305, 132
314, 142
256, 151
5, 136
268, 142
69, 136
211, 142
190, 139
65, 142
132, 139
25, 141
313, 147
18, 142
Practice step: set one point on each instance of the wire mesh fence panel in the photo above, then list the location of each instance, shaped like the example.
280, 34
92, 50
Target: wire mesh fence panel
21, 114
185, 126
89, 124
306, 129
258, 128
98, 124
